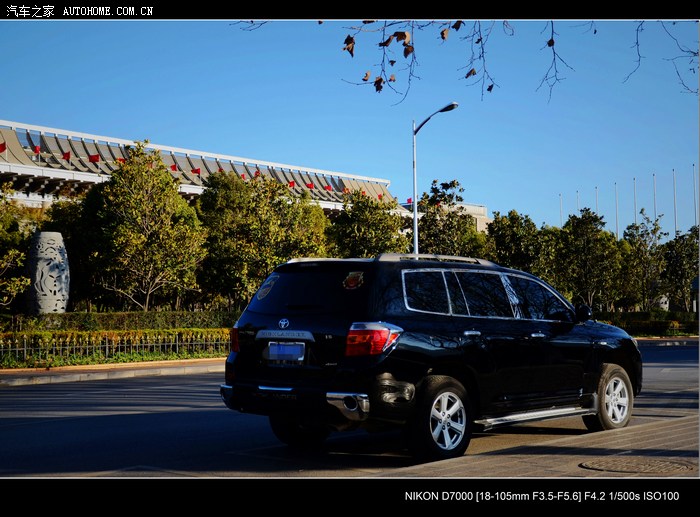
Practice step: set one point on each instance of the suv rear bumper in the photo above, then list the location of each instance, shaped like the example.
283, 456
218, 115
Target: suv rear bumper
265, 400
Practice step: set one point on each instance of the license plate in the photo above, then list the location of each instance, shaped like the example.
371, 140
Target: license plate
292, 352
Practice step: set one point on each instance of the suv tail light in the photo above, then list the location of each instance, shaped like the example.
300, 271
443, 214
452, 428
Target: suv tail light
234, 340
370, 338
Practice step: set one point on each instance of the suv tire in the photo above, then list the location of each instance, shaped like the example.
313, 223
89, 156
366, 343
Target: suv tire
290, 430
615, 400
442, 426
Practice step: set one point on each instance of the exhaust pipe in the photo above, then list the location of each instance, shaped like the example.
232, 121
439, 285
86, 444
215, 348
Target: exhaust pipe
353, 406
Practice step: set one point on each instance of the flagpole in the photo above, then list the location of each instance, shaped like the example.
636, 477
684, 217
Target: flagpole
634, 182
675, 213
617, 224
653, 175
596, 200
561, 213
695, 199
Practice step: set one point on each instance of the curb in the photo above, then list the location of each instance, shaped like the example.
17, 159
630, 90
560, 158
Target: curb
29, 376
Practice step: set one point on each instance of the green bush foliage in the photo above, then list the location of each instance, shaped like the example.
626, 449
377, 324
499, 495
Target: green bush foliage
138, 320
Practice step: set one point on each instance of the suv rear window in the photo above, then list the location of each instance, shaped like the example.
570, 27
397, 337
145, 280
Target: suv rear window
425, 291
315, 288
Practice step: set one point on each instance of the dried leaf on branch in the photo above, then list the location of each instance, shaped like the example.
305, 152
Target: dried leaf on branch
387, 42
350, 45
403, 36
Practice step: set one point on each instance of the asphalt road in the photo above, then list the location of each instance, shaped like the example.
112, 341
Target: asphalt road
177, 427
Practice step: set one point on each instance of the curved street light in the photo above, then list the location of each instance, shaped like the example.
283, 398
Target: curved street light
449, 107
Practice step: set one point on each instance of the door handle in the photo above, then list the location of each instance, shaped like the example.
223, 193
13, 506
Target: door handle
537, 335
472, 333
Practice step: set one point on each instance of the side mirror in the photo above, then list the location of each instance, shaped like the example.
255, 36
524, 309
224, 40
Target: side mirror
583, 313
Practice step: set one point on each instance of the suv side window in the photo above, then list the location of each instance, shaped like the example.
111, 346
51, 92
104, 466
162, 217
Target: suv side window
484, 294
537, 302
425, 291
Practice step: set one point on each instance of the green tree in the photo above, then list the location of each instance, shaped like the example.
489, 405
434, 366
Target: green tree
681, 257
11, 284
366, 227
547, 263
590, 258
147, 240
512, 240
444, 227
645, 263
253, 226
13, 242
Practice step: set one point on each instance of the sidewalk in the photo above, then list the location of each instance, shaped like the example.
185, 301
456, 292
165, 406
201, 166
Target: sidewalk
667, 448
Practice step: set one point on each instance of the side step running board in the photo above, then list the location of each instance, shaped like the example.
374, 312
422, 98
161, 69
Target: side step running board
529, 416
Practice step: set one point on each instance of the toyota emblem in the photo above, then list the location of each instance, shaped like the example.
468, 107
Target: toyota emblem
283, 323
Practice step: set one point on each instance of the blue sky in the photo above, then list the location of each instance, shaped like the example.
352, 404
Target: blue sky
284, 93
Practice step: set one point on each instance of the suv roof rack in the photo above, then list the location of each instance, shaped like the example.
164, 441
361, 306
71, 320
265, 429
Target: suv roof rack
392, 257
326, 259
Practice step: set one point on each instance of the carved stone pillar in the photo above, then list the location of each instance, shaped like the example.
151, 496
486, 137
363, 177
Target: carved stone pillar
49, 274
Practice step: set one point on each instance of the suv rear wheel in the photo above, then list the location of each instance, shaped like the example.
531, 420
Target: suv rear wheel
291, 431
442, 425
615, 400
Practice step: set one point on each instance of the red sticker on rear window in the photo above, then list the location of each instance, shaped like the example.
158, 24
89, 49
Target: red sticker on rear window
353, 280
267, 286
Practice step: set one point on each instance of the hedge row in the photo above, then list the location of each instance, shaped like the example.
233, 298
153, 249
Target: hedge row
657, 323
657, 328
119, 321
624, 317
90, 338
63, 348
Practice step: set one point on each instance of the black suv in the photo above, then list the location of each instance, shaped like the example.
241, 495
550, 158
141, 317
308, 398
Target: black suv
438, 346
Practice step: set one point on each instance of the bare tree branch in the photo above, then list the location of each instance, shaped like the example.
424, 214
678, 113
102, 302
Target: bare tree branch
552, 77
477, 39
686, 53
398, 62
250, 25
591, 27
638, 31
400, 32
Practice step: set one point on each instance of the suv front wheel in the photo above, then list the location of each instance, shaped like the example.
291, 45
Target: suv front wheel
615, 400
442, 424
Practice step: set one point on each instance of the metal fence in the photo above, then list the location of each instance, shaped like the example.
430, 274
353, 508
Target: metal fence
41, 349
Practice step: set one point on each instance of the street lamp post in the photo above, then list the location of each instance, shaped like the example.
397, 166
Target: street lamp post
449, 107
